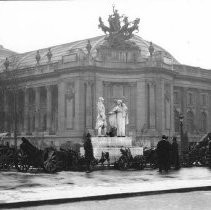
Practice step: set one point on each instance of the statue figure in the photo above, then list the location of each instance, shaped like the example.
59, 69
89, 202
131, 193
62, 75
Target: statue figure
38, 57
88, 47
118, 117
6, 63
103, 27
120, 30
49, 55
101, 117
151, 49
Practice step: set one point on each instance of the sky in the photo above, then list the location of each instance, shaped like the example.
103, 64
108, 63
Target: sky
182, 27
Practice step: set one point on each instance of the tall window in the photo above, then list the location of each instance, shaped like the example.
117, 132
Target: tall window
203, 99
176, 121
190, 122
190, 99
203, 122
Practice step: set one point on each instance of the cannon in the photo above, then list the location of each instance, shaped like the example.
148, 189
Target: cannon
127, 161
7, 154
150, 156
198, 153
7, 157
49, 159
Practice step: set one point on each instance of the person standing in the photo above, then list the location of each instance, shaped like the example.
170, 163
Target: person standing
175, 153
88, 152
163, 154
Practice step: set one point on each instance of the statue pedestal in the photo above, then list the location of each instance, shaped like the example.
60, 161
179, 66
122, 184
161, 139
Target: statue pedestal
113, 146
111, 142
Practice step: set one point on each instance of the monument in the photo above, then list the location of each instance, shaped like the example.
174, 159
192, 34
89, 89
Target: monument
118, 118
118, 36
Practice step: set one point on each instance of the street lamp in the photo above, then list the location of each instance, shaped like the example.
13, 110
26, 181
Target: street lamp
181, 118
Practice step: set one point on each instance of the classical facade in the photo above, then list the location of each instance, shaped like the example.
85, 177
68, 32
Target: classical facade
54, 91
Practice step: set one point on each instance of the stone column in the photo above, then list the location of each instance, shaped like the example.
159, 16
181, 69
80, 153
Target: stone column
78, 107
49, 108
141, 107
6, 109
172, 109
99, 89
197, 118
61, 107
26, 109
37, 109
89, 105
152, 104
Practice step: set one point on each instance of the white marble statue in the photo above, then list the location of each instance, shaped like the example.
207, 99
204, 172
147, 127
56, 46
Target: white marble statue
101, 118
118, 117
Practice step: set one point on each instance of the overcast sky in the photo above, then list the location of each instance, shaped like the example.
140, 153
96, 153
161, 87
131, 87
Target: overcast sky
182, 27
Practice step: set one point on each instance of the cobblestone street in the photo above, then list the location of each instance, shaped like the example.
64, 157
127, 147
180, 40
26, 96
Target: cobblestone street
17, 187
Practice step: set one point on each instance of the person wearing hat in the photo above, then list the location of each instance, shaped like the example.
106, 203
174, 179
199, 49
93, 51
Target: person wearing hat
88, 149
163, 154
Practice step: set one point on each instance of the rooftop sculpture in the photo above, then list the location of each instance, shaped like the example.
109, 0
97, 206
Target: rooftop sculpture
120, 30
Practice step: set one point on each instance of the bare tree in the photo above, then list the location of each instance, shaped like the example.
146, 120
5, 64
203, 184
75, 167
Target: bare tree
9, 83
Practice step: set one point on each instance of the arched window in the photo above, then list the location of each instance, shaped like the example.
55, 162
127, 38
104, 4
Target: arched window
176, 121
190, 122
203, 122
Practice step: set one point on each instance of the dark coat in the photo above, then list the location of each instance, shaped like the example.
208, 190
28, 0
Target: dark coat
88, 149
163, 151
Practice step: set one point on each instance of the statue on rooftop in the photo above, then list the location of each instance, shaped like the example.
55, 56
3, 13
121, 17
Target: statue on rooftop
38, 57
49, 55
6, 63
151, 49
120, 30
88, 46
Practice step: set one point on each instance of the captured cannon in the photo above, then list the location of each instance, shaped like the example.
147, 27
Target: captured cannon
127, 161
48, 159
199, 153
150, 156
7, 154
7, 157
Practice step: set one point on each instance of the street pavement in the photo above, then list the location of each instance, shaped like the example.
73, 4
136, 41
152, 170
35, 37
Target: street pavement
173, 201
26, 187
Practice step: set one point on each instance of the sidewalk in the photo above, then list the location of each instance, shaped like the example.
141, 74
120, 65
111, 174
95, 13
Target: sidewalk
37, 189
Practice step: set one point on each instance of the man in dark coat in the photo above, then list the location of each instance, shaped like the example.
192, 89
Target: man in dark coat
88, 152
163, 153
175, 153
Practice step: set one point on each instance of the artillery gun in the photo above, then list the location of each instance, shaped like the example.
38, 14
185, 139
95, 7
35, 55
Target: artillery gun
7, 154
198, 154
49, 159
127, 161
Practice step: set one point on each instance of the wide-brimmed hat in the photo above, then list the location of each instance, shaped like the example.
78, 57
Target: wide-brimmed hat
164, 137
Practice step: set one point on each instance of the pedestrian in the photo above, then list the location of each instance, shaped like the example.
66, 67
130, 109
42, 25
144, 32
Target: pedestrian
163, 154
88, 152
175, 154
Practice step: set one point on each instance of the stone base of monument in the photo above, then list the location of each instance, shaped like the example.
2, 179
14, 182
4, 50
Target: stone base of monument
113, 146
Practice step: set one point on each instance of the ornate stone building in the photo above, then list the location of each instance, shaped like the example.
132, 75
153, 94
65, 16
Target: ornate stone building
57, 89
